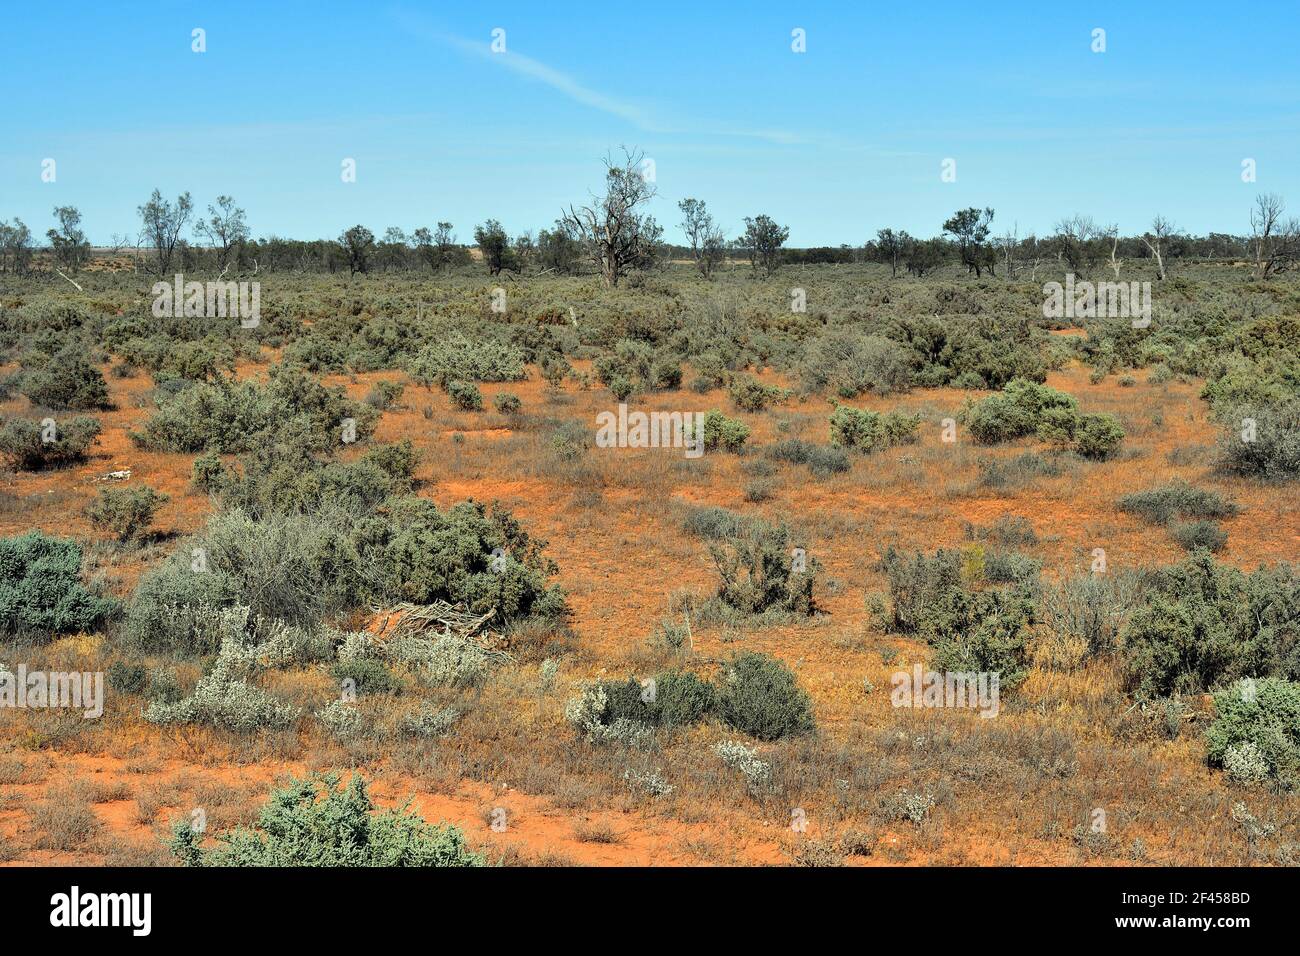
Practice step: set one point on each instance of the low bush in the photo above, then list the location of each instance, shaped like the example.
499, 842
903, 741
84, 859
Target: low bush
849, 364
465, 395
507, 403
1097, 435
1016, 412
305, 568
714, 522
297, 568
233, 416
756, 771
1177, 499
1262, 441
385, 395
761, 571
751, 395
971, 628
710, 372
682, 698
208, 473
224, 698
1028, 408
1199, 534
66, 380
457, 358
41, 593
367, 676
666, 374
758, 695
428, 554
729, 434
1255, 735
127, 678
1204, 624
429, 722
316, 823
31, 446
125, 512
869, 431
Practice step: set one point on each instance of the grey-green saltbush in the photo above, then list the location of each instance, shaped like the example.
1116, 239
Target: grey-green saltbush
1255, 735
316, 823
41, 592
224, 698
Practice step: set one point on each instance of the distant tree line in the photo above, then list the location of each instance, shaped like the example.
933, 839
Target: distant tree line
613, 235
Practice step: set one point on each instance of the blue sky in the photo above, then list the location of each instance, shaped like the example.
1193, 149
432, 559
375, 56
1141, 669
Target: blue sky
836, 142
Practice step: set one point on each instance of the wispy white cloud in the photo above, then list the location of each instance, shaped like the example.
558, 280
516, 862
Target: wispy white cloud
633, 113
532, 69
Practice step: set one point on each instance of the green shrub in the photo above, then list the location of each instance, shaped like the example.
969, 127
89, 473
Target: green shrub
385, 395
722, 432
666, 374
231, 416
315, 823
751, 395
507, 403
1017, 411
41, 591
682, 698
1204, 624
465, 395
457, 358
208, 473
758, 695
273, 481
621, 387
710, 372
1097, 435
868, 431
918, 588
431, 554
849, 363
124, 678
1177, 499
1255, 734
67, 380
970, 629
757, 568
368, 676
988, 631
1262, 441
23, 442
1010, 567
1199, 534
126, 512
822, 460
997, 419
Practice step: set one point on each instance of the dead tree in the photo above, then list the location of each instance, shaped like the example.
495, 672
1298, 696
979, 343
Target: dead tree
1161, 231
614, 229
